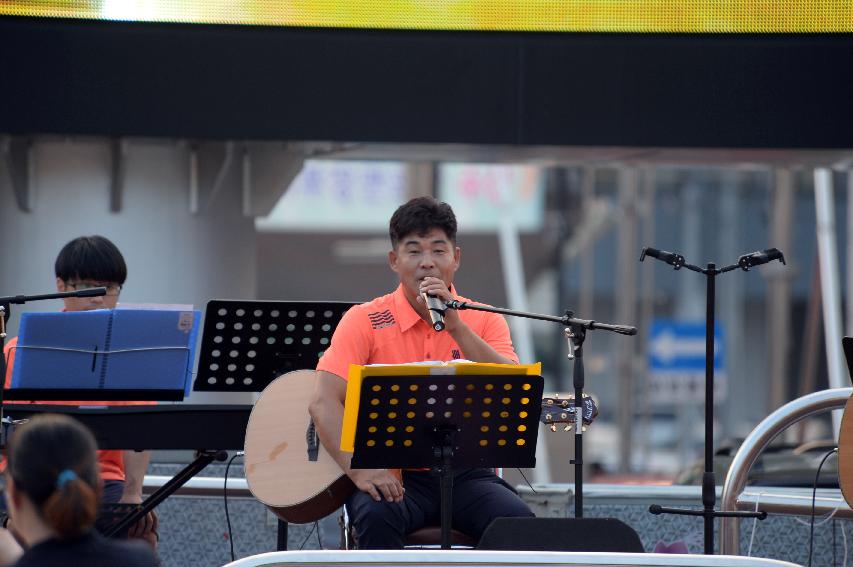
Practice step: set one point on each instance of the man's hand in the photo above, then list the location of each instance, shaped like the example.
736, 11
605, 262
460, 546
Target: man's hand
379, 483
10, 549
473, 346
135, 466
146, 528
437, 288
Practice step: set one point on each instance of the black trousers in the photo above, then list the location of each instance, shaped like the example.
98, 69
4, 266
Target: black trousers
479, 496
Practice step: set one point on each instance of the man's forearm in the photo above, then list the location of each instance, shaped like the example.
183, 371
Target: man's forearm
474, 348
328, 416
135, 466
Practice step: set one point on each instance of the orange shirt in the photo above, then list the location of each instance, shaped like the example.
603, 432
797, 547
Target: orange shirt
111, 461
388, 330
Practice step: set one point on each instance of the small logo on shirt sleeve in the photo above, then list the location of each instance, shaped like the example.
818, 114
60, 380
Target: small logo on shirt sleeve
381, 319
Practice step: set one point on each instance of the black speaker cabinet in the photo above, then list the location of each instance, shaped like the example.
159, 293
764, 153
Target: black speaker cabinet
560, 534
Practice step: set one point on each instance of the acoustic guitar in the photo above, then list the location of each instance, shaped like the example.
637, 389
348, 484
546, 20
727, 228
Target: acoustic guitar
845, 453
289, 471
287, 468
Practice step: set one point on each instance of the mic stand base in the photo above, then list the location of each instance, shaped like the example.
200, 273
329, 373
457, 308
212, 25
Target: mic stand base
709, 514
657, 509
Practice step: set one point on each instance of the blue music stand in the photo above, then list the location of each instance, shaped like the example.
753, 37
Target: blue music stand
107, 354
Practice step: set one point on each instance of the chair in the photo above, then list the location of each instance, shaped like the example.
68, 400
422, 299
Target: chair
430, 536
424, 538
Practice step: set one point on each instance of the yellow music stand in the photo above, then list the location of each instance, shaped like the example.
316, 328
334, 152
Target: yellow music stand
442, 416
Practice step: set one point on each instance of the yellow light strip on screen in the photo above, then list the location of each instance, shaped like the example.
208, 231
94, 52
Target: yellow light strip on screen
643, 16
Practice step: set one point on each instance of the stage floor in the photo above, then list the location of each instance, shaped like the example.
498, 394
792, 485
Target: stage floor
438, 558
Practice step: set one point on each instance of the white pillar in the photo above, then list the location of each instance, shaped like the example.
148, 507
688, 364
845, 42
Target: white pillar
829, 281
513, 273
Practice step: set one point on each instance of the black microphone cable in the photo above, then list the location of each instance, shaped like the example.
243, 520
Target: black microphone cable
814, 498
225, 499
314, 526
527, 481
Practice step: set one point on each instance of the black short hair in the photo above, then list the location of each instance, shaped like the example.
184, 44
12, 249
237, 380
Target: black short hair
93, 258
419, 216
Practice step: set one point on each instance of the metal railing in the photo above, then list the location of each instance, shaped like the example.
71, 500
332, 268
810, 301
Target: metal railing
207, 486
757, 441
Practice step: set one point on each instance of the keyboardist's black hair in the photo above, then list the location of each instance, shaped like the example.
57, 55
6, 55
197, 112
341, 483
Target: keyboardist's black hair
93, 258
419, 216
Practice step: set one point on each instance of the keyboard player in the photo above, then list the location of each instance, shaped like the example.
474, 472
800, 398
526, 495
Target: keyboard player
86, 262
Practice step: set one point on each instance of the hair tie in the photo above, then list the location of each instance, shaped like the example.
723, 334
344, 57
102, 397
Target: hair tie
65, 476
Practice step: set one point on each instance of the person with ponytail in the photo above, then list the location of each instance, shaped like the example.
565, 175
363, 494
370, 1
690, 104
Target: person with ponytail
53, 489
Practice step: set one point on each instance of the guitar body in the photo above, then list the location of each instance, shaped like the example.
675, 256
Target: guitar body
845, 453
299, 490
278, 469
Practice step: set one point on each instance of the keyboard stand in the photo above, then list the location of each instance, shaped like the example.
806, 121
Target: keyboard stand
202, 459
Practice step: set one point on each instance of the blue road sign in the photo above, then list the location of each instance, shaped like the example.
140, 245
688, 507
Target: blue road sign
679, 346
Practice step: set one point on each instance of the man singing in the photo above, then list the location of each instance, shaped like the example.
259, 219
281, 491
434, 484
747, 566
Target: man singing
396, 329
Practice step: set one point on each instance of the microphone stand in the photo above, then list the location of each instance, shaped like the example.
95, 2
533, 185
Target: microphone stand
575, 333
5, 312
709, 494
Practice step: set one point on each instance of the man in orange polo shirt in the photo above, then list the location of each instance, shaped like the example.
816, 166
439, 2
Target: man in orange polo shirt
396, 329
86, 262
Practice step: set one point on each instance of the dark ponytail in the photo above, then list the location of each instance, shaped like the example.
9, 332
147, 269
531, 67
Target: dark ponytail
53, 460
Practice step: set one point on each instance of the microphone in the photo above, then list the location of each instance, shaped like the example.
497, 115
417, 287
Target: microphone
91, 292
759, 257
674, 260
436, 311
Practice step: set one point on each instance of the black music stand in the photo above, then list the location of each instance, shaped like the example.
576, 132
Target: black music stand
847, 345
248, 344
444, 421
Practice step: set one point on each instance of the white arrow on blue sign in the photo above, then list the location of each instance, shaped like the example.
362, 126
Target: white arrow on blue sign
679, 346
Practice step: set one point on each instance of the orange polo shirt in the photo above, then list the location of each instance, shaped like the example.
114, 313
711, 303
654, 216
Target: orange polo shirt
388, 330
111, 461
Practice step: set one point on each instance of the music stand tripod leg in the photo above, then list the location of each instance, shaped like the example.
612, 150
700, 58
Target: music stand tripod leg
281, 536
443, 452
